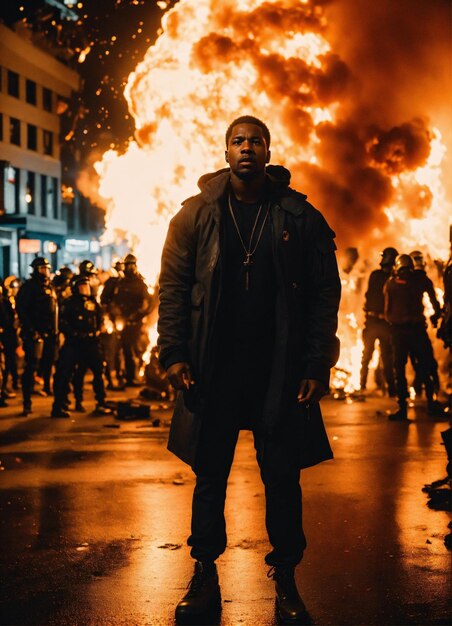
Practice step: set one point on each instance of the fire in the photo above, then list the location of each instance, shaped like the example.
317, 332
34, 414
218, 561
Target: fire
217, 59
182, 101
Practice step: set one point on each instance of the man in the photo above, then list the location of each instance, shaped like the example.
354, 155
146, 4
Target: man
404, 310
80, 323
62, 283
3, 324
429, 289
132, 300
37, 308
376, 327
249, 293
110, 337
10, 335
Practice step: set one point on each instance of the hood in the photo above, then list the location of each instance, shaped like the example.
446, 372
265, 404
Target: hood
213, 185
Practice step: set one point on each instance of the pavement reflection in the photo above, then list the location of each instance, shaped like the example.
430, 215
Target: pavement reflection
95, 519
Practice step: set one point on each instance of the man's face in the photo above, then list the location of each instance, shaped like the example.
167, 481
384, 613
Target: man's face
130, 269
247, 151
44, 270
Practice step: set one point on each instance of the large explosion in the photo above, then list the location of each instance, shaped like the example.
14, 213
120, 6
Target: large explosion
352, 92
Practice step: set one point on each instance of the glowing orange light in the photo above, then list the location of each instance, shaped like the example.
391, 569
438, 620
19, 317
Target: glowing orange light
213, 62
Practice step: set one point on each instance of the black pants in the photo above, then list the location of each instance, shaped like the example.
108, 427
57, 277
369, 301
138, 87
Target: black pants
373, 330
32, 362
110, 348
130, 338
10, 344
76, 357
412, 339
236, 400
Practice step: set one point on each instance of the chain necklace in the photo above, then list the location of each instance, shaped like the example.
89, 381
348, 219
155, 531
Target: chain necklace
249, 251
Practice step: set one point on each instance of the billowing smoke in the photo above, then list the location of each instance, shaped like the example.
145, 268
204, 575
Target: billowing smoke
355, 94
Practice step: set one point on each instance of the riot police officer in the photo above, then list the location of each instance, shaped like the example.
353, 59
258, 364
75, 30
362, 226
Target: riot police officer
87, 268
133, 302
376, 326
404, 310
37, 308
110, 285
10, 335
111, 337
80, 323
62, 283
3, 322
429, 289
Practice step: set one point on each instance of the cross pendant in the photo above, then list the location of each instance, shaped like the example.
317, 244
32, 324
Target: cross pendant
247, 263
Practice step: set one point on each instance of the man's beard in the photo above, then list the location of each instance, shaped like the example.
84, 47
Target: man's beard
247, 174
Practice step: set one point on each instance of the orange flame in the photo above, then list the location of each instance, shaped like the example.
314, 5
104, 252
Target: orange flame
213, 61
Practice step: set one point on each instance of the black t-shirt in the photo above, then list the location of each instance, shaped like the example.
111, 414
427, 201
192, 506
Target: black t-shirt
247, 307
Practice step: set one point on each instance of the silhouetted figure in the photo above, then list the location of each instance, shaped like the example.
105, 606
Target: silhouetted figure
404, 310
445, 328
110, 337
62, 283
429, 289
3, 322
376, 326
37, 308
80, 323
133, 302
10, 335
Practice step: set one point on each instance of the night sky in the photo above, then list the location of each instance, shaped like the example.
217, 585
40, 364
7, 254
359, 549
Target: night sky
115, 35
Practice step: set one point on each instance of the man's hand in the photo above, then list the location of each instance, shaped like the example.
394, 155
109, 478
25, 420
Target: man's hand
310, 391
179, 376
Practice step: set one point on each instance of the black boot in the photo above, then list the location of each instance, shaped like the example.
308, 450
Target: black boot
27, 409
58, 411
202, 602
400, 415
101, 409
290, 608
435, 409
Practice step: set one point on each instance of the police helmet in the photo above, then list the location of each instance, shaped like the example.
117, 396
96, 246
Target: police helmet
11, 282
403, 262
119, 265
87, 267
65, 272
418, 259
130, 259
388, 256
40, 261
79, 280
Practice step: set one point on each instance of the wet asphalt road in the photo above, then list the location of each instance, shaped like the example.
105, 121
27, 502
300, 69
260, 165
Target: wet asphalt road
94, 521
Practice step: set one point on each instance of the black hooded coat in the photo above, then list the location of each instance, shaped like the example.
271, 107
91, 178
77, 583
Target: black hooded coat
307, 302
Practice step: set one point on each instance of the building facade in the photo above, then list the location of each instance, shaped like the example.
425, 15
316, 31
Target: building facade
34, 89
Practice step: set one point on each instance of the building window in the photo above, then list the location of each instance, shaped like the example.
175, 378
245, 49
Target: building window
14, 131
30, 89
12, 184
48, 142
47, 99
55, 197
13, 84
43, 195
30, 193
17, 202
32, 137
